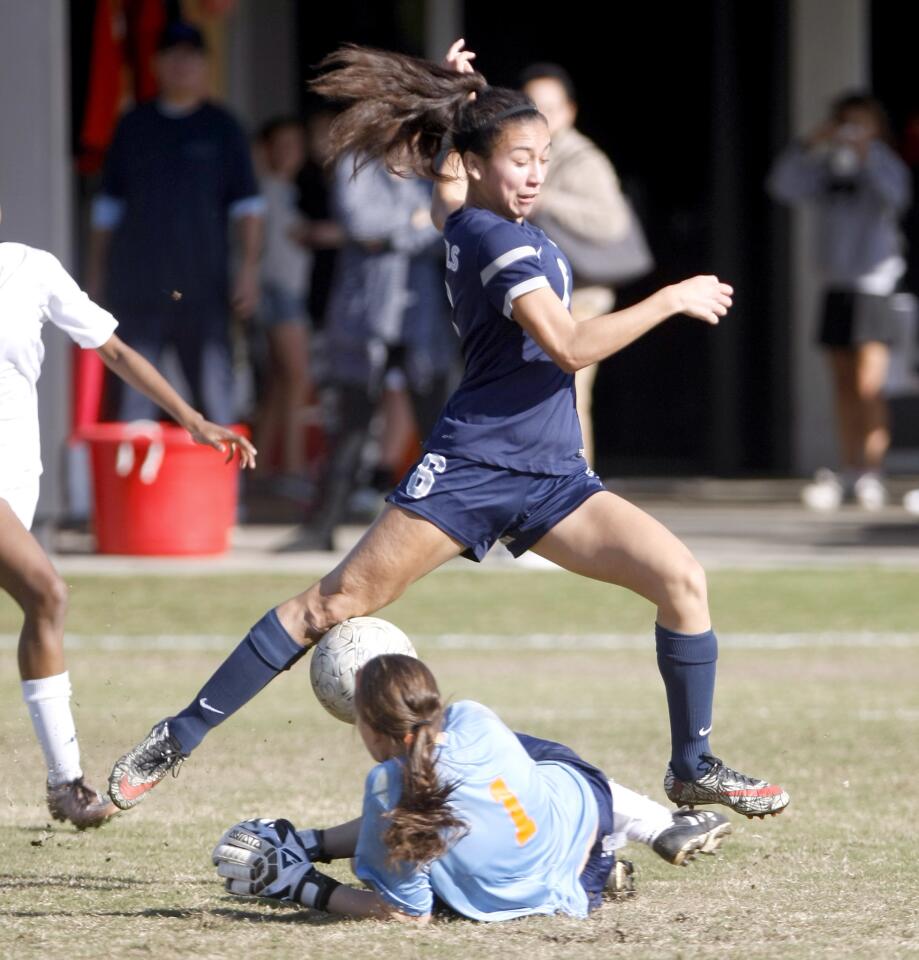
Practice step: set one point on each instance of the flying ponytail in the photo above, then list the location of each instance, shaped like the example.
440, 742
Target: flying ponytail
402, 111
398, 697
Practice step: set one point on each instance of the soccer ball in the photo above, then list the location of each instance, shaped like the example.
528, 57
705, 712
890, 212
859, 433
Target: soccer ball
343, 651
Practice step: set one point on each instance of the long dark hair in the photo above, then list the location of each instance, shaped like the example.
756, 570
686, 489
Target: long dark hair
397, 696
402, 110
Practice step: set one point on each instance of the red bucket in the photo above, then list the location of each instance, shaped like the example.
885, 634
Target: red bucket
157, 492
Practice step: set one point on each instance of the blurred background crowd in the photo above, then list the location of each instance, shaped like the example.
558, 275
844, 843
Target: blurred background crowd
777, 147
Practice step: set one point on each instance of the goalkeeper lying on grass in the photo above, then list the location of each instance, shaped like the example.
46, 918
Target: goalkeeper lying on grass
461, 812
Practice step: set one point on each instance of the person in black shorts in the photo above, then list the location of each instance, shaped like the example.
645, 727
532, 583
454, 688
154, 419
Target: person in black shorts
859, 187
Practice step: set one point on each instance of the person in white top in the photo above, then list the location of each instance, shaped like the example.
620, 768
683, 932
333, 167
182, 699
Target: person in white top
35, 289
285, 268
859, 187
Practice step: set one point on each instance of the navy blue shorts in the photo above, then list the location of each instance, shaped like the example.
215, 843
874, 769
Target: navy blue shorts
478, 504
602, 857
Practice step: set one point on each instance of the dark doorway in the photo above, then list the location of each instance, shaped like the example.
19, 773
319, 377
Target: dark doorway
894, 28
689, 100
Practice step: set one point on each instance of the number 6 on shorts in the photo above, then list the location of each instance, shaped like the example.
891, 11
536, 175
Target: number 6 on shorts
422, 478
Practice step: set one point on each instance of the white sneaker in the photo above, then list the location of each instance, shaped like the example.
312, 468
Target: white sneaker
825, 493
870, 492
911, 502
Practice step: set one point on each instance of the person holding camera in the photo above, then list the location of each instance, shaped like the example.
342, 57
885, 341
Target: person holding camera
860, 188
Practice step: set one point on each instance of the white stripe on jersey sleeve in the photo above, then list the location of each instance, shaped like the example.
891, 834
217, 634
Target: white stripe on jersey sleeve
525, 286
505, 260
449, 295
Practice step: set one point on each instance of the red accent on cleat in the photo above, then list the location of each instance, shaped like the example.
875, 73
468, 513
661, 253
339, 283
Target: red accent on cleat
130, 792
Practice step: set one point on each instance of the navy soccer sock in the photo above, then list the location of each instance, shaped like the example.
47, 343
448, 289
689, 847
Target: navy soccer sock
687, 665
267, 650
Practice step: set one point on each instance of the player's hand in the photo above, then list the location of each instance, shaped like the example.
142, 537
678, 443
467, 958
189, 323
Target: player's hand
705, 298
261, 858
220, 438
459, 59
267, 858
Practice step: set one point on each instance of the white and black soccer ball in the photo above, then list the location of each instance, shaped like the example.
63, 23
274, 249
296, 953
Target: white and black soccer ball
343, 651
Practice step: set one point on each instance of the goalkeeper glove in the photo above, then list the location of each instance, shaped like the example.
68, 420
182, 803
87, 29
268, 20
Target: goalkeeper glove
267, 858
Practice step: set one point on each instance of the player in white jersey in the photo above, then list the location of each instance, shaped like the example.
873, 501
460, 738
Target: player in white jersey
34, 290
460, 812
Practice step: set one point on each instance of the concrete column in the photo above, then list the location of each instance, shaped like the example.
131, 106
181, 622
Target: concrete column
35, 187
261, 60
443, 23
830, 46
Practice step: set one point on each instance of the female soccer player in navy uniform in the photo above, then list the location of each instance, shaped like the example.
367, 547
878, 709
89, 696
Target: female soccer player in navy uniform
461, 811
503, 462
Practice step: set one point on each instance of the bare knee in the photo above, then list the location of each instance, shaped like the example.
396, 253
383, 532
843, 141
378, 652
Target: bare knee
310, 615
687, 590
322, 612
45, 598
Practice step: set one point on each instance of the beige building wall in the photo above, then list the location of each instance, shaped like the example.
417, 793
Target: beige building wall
829, 53
36, 189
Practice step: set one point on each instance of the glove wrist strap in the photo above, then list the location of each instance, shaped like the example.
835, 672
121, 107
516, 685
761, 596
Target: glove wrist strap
314, 890
313, 841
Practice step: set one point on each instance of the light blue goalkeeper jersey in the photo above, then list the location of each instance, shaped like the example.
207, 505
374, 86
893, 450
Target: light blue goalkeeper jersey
529, 828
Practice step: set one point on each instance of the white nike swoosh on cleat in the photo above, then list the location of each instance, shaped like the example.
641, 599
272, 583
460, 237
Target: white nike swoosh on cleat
704, 732
206, 706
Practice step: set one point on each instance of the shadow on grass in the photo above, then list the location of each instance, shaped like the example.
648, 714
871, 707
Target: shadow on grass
277, 915
12, 882
152, 912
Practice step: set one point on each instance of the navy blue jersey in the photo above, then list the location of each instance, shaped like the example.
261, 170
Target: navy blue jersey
515, 407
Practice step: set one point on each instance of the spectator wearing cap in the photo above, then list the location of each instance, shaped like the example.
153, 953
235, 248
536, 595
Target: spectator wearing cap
177, 176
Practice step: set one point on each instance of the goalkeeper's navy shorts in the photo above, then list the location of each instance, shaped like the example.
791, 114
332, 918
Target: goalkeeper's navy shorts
479, 504
602, 857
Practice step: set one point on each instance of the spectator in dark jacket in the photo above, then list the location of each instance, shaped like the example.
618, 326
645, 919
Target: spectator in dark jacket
178, 173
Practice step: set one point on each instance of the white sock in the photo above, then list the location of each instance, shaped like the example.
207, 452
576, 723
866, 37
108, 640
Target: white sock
48, 703
635, 817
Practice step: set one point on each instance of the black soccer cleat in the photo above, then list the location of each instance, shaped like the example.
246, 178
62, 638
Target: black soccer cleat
692, 832
721, 784
142, 768
79, 803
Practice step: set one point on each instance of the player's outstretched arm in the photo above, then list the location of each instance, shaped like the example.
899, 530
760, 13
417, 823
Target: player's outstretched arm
575, 345
333, 843
139, 373
269, 859
365, 904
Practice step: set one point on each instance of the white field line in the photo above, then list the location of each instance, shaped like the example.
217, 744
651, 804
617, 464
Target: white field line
532, 641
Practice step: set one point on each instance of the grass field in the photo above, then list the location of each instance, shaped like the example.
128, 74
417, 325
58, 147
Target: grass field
835, 876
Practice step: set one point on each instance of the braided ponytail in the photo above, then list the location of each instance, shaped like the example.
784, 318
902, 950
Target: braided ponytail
402, 111
398, 696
